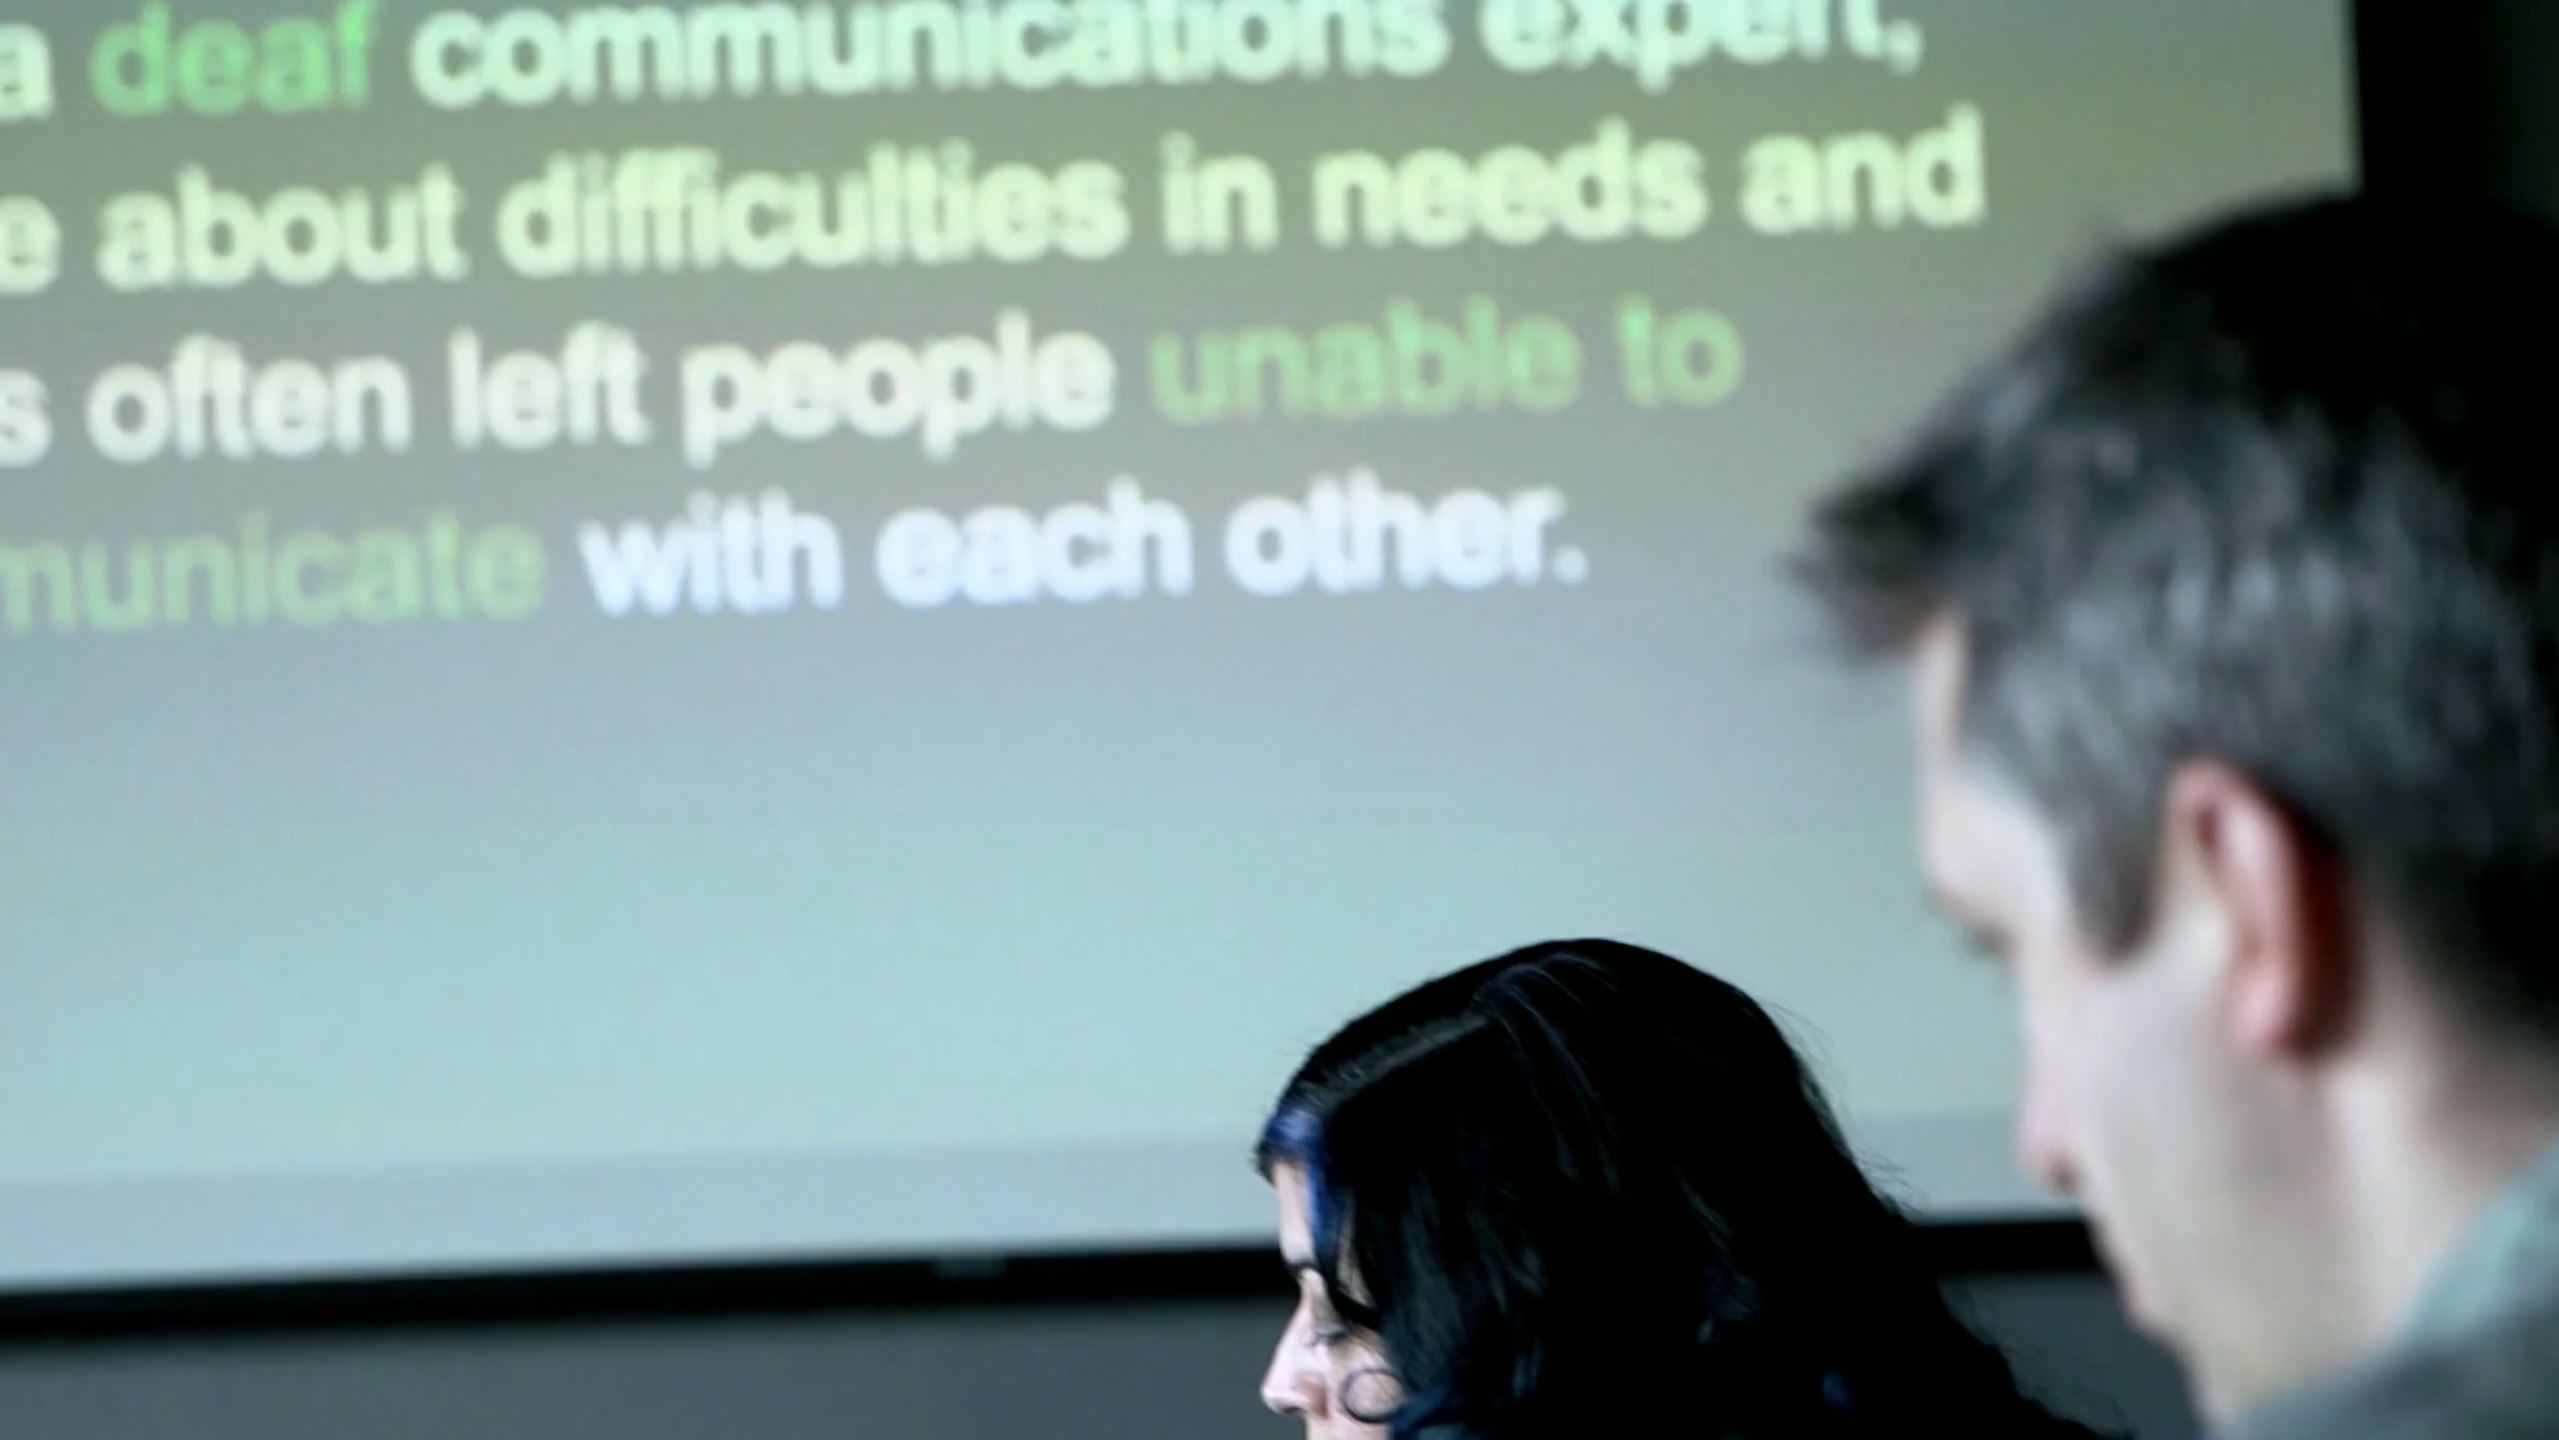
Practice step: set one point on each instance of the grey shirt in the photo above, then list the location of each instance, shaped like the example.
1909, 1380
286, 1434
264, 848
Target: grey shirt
2480, 1358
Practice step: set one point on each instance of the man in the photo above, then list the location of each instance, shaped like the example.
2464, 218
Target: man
2233, 596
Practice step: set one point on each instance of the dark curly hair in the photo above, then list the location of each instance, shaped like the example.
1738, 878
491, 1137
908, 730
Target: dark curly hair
1586, 1189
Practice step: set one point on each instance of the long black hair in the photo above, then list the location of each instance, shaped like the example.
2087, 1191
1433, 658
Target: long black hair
1586, 1190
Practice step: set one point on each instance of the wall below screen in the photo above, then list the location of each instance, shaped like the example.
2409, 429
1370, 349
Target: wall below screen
1184, 1371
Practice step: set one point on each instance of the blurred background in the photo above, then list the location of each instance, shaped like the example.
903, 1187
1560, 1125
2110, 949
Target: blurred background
718, 916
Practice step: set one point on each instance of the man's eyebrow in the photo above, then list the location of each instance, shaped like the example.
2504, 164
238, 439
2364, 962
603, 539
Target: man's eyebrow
1980, 934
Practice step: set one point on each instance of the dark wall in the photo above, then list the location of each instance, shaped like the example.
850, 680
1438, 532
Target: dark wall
2457, 99
1095, 1371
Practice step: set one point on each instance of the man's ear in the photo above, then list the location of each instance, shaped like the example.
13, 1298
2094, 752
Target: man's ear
2283, 901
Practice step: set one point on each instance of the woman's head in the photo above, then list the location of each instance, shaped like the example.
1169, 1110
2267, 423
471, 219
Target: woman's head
1581, 1185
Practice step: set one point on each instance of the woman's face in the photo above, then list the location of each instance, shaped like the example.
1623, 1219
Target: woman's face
1321, 1367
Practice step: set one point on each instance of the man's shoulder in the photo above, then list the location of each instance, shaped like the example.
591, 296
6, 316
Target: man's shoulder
2496, 1383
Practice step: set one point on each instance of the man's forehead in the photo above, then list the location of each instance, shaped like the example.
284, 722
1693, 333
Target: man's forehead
1937, 670
1939, 661
1958, 828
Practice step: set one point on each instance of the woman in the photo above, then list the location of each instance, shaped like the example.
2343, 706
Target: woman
1584, 1192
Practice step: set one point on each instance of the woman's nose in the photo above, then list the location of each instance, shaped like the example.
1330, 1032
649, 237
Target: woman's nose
1287, 1387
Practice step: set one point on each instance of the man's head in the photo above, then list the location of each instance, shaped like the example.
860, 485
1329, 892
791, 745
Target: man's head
2234, 591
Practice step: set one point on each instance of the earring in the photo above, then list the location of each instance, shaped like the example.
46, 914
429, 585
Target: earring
1370, 1395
